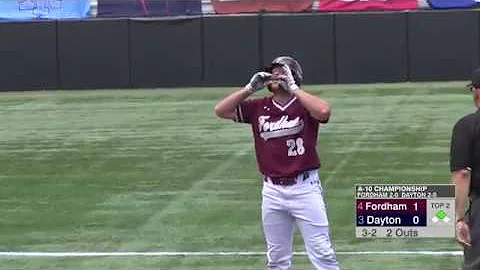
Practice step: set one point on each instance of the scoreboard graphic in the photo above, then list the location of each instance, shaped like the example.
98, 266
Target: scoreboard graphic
405, 211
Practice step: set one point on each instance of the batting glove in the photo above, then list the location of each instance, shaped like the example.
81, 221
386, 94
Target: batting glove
290, 81
258, 81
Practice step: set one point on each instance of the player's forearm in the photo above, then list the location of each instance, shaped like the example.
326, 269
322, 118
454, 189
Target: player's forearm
317, 107
227, 106
461, 179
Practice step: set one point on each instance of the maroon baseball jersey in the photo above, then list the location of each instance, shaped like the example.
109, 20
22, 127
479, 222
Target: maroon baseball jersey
285, 136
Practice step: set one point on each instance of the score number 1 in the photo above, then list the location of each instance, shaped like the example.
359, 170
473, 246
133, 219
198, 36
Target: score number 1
385, 206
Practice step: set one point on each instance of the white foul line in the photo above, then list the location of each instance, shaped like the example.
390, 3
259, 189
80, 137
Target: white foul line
206, 254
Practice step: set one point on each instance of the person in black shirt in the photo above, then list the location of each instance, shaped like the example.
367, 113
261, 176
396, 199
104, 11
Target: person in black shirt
465, 168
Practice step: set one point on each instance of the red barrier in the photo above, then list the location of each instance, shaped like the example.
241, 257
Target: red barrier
255, 6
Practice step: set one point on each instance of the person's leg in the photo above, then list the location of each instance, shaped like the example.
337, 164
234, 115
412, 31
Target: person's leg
278, 227
318, 246
308, 208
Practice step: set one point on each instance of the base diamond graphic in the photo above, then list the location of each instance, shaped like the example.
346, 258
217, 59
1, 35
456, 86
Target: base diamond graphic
441, 214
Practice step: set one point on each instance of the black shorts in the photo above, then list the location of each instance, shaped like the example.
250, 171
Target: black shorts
472, 254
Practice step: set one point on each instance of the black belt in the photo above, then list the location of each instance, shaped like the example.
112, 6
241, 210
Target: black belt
283, 181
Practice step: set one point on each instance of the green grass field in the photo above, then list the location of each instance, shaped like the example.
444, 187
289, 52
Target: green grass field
155, 170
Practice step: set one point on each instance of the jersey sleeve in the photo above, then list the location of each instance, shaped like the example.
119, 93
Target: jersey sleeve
461, 146
245, 112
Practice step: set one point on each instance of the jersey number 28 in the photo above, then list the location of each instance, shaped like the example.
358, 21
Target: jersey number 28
295, 147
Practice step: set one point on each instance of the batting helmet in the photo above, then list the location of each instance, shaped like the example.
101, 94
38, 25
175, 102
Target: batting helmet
293, 64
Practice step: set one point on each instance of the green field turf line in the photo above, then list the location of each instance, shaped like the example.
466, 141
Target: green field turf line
363, 86
218, 253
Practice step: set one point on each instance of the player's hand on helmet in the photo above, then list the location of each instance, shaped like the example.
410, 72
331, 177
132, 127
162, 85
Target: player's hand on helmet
291, 85
258, 81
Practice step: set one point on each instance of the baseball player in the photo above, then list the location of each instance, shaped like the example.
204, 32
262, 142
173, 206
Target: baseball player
285, 127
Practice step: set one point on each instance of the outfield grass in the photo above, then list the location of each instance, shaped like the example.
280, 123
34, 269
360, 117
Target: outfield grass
155, 170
